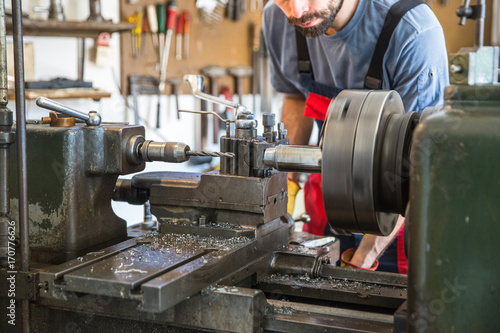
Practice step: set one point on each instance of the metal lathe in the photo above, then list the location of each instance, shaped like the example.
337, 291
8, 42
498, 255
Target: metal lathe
224, 256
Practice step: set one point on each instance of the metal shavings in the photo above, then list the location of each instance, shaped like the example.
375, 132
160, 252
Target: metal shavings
94, 253
132, 270
223, 225
285, 310
331, 282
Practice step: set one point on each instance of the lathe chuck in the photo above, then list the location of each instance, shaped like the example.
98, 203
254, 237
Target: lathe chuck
365, 146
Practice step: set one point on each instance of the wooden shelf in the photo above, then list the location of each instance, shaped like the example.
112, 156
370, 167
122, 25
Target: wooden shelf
95, 94
68, 28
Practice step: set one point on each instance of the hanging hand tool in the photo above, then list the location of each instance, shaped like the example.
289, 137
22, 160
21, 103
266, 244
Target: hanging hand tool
174, 84
213, 73
136, 32
171, 13
239, 73
178, 38
255, 64
145, 29
186, 18
153, 27
161, 15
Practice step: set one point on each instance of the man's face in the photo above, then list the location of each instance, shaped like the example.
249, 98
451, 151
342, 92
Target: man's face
311, 17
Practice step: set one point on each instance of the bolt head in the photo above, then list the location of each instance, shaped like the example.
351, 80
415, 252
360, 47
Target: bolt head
94, 119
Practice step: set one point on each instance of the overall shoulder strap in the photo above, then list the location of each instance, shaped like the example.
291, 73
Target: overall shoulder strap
374, 77
304, 59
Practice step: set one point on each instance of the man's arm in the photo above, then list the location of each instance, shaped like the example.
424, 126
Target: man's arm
298, 126
372, 247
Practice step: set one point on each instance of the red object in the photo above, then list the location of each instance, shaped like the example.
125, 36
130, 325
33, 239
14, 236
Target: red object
186, 17
171, 13
145, 22
313, 198
402, 260
317, 106
179, 25
349, 253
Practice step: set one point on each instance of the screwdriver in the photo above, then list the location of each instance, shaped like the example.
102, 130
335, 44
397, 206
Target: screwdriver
172, 11
161, 15
145, 29
153, 27
178, 38
186, 18
138, 30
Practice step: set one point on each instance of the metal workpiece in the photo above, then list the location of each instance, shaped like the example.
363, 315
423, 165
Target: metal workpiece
365, 161
170, 152
93, 118
294, 158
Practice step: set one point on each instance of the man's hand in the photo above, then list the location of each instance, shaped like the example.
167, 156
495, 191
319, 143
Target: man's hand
372, 247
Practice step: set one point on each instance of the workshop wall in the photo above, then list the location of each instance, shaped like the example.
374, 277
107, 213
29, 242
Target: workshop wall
214, 41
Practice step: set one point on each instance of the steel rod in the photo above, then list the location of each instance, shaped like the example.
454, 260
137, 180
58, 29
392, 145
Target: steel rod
479, 40
5, 119
21, 132
17, 32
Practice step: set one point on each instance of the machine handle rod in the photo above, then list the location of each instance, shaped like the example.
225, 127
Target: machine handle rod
91, 119
196, 84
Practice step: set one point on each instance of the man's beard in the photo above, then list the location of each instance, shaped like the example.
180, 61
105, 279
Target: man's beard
327, 15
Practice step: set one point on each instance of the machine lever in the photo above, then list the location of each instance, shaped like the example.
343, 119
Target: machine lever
226, 121
196, 84
91, 119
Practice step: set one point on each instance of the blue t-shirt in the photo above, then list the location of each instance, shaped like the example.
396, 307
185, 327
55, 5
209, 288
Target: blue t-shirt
415, 64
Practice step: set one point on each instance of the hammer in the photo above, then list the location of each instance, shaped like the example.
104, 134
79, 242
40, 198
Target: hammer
213, 73
239, 73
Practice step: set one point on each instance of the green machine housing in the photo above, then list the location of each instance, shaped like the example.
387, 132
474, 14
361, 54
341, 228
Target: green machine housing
72, 172
454, 267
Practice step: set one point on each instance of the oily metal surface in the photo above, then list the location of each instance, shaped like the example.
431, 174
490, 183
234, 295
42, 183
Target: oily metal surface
351, 142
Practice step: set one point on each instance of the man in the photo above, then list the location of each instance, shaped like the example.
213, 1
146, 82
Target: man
338, 53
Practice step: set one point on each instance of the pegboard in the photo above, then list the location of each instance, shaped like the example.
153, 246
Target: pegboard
227, 43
